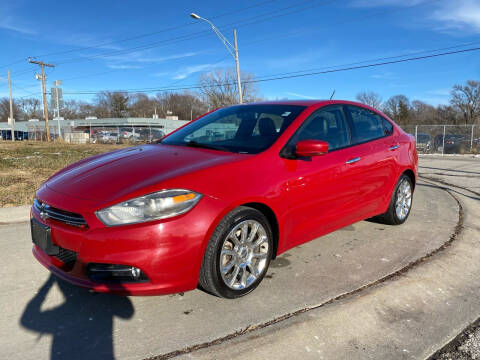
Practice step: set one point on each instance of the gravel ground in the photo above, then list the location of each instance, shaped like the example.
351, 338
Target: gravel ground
465, 347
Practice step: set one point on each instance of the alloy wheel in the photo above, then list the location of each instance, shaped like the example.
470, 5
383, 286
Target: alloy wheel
244, 253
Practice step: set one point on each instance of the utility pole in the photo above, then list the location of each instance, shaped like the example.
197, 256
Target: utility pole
42, 77
237, 63
11, 120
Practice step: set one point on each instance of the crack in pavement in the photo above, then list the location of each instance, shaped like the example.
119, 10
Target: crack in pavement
457, 231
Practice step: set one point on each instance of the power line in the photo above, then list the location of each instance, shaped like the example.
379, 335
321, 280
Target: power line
277, 37
99, 45
191, 36
282, 77
172, 28
194, 35
379, 59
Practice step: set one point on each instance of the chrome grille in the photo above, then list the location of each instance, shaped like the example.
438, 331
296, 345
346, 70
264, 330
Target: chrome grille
49, 212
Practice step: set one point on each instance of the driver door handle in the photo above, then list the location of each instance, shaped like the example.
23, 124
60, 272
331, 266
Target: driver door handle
394, 147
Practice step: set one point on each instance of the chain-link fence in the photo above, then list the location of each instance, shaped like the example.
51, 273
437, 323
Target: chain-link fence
82, 132
446, 139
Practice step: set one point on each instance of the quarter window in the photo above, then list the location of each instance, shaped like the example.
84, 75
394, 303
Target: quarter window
387, 127
367, 125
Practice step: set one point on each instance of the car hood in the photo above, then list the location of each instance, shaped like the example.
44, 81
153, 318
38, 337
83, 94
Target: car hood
117, 174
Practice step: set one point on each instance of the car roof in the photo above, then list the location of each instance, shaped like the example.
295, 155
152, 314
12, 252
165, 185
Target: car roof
308, 102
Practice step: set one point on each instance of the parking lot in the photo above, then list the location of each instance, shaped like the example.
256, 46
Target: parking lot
312, 303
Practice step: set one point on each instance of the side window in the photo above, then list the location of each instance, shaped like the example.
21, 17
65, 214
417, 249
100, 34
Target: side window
327, 124
387, 127
367, 125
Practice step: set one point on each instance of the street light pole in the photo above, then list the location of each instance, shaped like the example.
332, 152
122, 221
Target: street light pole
11, 120
233, 50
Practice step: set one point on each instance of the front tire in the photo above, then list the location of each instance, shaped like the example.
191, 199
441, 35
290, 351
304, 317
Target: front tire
238, 254
400, 204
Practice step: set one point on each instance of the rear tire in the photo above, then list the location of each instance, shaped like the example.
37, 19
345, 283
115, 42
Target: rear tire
238, 254
400, 204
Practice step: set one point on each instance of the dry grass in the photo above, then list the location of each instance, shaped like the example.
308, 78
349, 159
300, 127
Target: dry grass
25, 165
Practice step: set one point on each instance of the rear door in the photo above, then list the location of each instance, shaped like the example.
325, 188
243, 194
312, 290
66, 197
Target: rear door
374, 150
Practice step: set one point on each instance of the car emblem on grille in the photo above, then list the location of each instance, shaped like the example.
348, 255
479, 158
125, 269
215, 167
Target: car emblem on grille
43, 214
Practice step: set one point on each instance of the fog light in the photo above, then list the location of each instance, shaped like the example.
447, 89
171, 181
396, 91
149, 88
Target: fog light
105, 273
136, 272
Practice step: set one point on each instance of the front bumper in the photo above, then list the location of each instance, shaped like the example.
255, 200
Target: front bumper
169, 252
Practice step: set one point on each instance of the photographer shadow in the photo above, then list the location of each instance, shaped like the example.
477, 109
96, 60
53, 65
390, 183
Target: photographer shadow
82, 326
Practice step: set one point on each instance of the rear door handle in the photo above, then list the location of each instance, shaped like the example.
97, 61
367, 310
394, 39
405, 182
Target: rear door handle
354, 160
394, 147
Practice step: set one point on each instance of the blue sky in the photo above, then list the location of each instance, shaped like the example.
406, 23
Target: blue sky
152, 44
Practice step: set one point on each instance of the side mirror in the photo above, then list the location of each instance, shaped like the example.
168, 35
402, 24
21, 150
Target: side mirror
311, 148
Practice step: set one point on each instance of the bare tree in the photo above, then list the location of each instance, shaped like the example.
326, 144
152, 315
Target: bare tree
370, 98
111, 104
74, 109
398, 108
467, 100
447, 114
219, 88
5, 110
422, 113
186, 105
141, 105
30, 108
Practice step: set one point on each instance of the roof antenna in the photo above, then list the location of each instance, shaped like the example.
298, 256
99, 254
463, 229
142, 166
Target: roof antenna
333, 93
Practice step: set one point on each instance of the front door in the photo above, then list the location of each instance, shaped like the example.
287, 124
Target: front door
319, 187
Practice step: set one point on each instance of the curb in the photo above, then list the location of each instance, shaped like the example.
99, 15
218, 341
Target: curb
15, 214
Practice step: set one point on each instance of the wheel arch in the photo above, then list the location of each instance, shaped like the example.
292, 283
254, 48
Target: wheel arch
411, 175
272, 220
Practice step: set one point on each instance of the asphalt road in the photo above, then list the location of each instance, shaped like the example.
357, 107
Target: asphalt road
43, 317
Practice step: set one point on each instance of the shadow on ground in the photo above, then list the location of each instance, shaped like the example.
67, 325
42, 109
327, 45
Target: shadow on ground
82, 326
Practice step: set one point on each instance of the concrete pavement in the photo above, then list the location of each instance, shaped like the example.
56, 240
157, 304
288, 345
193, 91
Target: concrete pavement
46, 318
409, 317
15, 214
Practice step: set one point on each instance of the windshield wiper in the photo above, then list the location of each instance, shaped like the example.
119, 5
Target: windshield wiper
206, 146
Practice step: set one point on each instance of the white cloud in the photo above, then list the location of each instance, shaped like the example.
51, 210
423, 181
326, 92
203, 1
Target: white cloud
376, 3
120, 67
440, 92
189, 70
451, 14
146, 57
9, 23
300, 96
295, 61
459, 14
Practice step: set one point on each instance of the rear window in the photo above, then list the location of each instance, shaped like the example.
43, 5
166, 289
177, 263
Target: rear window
367, 125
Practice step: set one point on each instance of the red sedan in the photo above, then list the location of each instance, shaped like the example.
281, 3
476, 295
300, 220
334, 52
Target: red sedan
216, 200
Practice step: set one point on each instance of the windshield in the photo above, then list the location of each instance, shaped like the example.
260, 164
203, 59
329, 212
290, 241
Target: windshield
246, 129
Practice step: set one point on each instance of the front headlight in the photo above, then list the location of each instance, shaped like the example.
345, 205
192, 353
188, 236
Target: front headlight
159, 205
